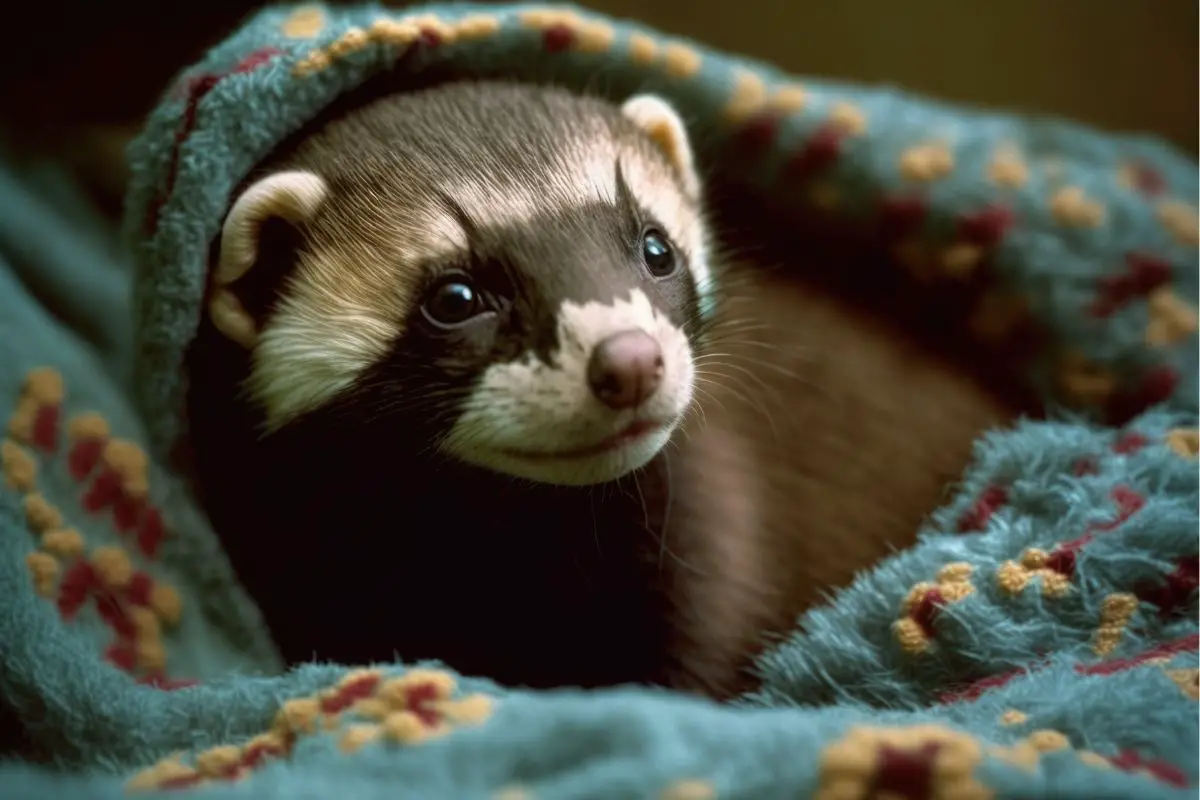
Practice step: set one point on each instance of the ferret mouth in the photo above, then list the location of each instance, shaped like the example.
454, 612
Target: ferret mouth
631, 434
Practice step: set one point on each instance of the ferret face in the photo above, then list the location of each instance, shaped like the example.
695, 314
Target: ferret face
524, 300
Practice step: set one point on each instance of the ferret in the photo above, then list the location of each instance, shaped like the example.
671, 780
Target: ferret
474, 384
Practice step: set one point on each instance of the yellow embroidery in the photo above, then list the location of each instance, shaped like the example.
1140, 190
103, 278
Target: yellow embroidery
402, 32
43, 569
1013, 576
1188, 681
1171, 318
1180, 221
40, 515
444, 32
926, 600
960, 260
393, 32
44, 385
304, 23
112, 566
162, 775
20, 423
1094, 760
880, 762
788, 99
926, 162
642, 48
1048, 741
689, 790
88, 425
587, 35
848, 118
1026, 753
128, 461
356, 736
1115, 612
1013, 717
1008, 169
407, 709
680, 61
1070, 206
63, 542
512, 793
542, 18
353, 40
166, 603
1185, 442
749, 95
477, 26
594, 37
1083, 381
20, 468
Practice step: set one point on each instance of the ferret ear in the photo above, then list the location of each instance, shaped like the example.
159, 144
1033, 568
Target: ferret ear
658, 120
259, 245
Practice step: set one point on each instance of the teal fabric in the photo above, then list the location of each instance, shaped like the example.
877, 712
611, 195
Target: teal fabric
846, 709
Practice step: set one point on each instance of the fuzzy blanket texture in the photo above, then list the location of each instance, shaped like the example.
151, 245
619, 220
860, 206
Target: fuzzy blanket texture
1040, 640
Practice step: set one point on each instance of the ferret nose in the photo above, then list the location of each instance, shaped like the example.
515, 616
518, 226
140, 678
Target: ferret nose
625, 369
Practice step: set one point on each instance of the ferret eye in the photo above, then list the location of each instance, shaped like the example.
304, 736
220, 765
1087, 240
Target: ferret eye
658, 254
451, 302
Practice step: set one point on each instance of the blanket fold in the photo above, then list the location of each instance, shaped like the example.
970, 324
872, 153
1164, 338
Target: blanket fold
1040, 640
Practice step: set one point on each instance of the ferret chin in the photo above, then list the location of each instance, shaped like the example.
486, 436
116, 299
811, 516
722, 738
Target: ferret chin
458, 395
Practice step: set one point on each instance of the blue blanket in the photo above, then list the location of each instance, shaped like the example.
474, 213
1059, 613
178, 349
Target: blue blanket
1040, 640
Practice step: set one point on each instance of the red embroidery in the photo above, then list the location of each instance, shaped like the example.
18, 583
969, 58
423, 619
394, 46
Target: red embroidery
901, 216
1130, 761
1180, 584
980, 513
420, 700
84, 456
1185, 645
1146, 179
1130, 442
759, 131
1155, 385
974, 690
75, 589
151, 532
350, 694
45, 427
904, 773
558, 38
197, 89
1143, 275
1062, 558
821, 151
986, 228
104, 491
167, 684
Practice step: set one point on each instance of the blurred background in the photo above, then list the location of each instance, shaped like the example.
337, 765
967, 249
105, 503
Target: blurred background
86, 72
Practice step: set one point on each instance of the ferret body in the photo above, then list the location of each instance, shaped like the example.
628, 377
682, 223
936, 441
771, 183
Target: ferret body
473, 387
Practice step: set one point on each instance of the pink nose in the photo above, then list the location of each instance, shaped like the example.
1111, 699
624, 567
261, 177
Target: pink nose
625, 369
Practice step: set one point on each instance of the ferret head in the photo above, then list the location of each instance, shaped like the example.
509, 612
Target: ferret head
513, 275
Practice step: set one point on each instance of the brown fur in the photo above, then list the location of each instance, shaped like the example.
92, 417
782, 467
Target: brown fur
831, 425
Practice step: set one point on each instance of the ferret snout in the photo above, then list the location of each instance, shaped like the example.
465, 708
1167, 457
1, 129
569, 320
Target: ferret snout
625, 369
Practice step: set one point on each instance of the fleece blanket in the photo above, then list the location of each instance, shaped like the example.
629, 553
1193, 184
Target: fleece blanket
1040, 640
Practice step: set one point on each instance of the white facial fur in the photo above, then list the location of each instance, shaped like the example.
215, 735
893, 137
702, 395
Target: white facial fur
344, 307
524, 413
